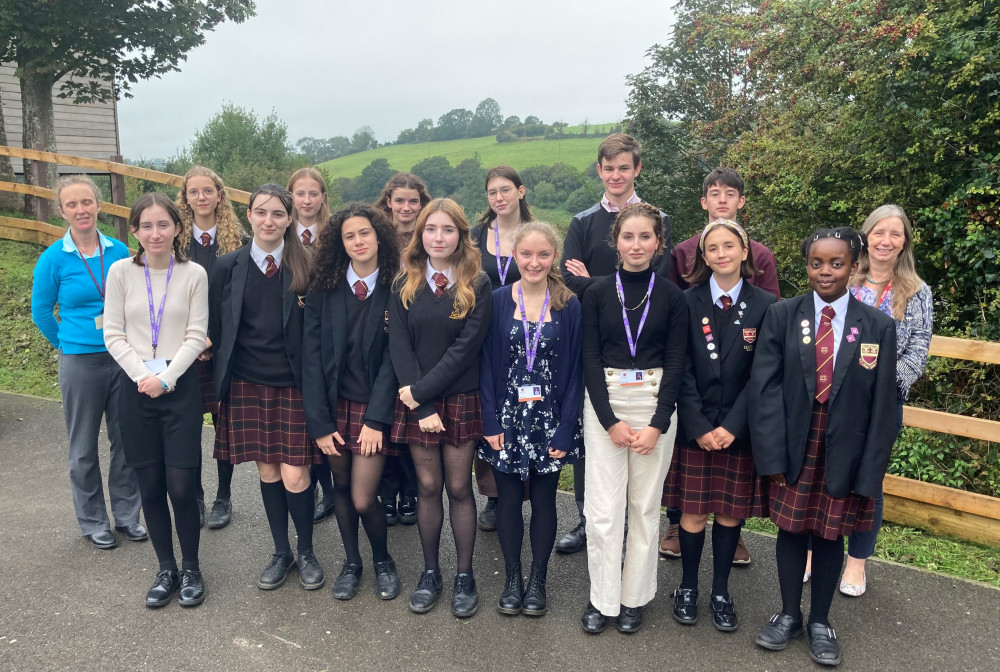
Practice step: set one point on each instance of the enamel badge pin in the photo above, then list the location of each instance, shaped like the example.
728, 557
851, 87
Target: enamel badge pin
749, 335
869, 355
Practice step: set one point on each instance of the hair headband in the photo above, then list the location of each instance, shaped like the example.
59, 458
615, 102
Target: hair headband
729, 224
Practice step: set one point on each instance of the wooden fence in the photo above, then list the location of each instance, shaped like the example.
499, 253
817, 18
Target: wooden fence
925, 505
117, 207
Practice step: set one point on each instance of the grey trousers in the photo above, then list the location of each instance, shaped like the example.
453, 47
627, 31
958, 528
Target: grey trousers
89, 385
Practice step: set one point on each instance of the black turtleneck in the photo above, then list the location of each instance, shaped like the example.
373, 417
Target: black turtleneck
662, 343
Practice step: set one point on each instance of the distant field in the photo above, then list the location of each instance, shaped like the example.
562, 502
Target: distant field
577, 152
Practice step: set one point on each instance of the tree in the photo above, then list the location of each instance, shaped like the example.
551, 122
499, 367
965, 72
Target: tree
424, 132
363, 140
486, 120
372, 179
437, 174
9, 202
531, 119
245, 150
511, 122
406, 136
453, 125
90, 44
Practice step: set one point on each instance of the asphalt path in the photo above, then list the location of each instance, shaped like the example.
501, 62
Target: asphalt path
65, 605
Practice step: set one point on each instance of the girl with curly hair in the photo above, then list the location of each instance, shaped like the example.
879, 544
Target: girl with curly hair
209, 229
348, 380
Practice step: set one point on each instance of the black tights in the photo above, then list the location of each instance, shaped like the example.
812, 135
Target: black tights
828, 557
445, 467
321, 478
510, 523
355, 482
156, 482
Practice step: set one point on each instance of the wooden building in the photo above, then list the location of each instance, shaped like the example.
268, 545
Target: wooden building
89, 130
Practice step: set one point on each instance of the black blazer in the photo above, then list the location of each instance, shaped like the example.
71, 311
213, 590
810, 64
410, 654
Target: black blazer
325, 351
225, 306
862, 423
713, 391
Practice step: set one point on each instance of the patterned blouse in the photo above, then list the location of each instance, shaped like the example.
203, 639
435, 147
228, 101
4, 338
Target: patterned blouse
913, 332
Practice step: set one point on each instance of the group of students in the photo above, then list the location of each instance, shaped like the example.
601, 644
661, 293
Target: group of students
399, 330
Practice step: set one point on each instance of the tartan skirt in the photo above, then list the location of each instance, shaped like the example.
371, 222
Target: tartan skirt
461, 415
806, 506
720, 481
350, 420
265, 424
206, 381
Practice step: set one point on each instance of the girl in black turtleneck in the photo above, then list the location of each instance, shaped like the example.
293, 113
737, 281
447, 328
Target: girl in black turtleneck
635, 335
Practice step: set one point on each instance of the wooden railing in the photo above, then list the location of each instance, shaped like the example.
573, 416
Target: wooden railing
117, 207
935, 507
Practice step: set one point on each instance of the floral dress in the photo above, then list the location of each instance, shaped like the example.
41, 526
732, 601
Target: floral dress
529, 425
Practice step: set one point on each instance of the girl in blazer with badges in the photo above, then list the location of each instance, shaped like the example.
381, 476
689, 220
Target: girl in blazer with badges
531, 388
348, 381
438, 318
824, 381
155, 321
634, 339
257, 302
210, 230
713, 466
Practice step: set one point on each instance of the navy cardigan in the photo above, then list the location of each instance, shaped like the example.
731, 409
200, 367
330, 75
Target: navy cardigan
567, 368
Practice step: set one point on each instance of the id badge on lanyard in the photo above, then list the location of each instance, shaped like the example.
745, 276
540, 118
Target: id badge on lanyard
631, 377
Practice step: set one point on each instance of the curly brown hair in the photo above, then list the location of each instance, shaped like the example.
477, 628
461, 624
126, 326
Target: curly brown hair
229, 232
401, 181
330, 260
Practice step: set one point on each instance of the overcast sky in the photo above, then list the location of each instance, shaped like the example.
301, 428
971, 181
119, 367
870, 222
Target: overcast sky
328, 67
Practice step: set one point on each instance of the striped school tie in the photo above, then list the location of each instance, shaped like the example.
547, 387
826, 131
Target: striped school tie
824, 355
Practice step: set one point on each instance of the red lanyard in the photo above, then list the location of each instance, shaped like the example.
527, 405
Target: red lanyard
100, 248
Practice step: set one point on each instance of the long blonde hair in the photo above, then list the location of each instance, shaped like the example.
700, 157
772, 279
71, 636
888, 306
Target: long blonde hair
559, 293
905, 281
466, 262
323, 216
229, 233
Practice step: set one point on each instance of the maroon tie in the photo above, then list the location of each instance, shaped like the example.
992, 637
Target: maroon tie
272, 267
206, 240
824, 355
727, 301
307, 237
441, 281
360, 290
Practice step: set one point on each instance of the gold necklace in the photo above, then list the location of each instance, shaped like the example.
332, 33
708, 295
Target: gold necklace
641, 301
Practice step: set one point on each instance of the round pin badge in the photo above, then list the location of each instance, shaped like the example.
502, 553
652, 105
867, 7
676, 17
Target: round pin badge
704, 320
742, 305
805, 331
710, 346
806, 340
804, 323
714, 355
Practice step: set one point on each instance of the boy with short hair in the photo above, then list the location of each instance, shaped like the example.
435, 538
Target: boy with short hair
589, 253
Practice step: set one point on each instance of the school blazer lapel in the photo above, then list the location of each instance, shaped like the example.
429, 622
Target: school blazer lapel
705, 312
238, 285
288, 300
848, 348
740, 310
807, 351
376, 317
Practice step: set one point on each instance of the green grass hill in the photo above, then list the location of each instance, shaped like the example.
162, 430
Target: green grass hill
577, 152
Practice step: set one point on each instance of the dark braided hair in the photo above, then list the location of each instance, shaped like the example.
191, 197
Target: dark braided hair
856, 241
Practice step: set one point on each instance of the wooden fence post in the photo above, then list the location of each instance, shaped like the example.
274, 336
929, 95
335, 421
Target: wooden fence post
38, 172
118, 198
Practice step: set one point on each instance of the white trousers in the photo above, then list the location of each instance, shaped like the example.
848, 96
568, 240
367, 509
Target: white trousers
617, 477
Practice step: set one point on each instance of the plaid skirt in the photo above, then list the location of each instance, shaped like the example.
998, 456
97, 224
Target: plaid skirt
461, 415
721, 481
206, 380
350, 420
265, 424
806, 506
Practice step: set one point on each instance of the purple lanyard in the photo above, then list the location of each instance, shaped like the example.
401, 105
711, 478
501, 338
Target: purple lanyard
100, 247
531, 344
645, 311
502, 270
154, 322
